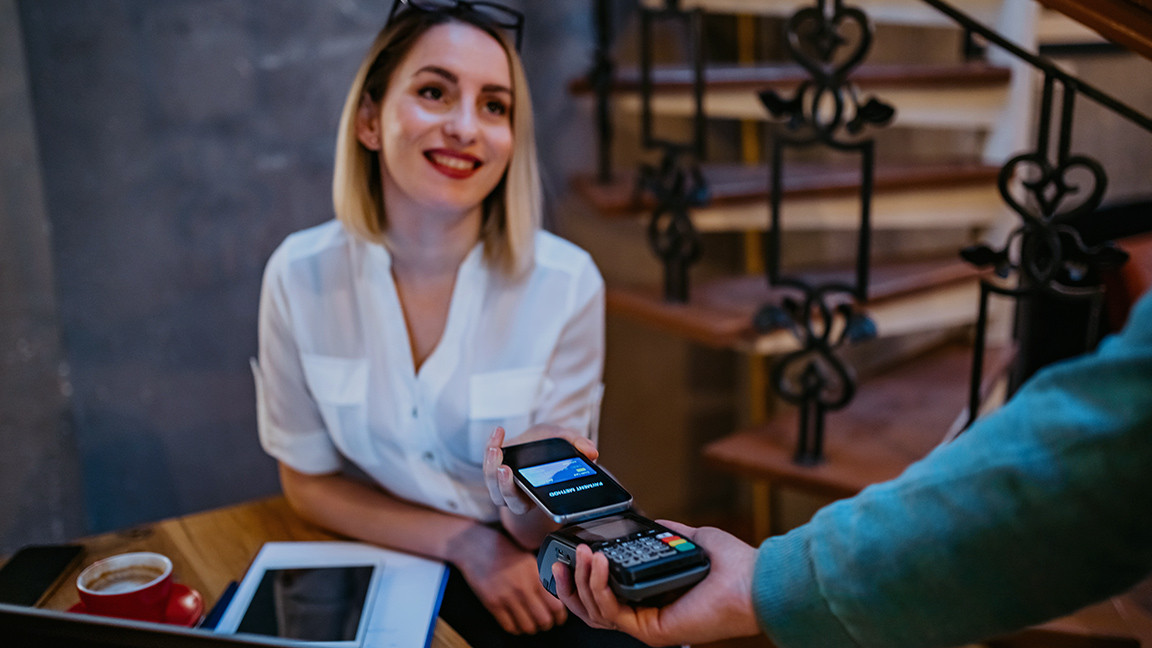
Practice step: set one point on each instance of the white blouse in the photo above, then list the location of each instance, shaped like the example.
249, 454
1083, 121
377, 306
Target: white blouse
336, 379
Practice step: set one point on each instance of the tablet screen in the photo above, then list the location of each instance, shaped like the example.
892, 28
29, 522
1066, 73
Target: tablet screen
309, 604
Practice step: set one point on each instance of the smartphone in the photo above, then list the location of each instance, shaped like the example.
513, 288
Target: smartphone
563, 482
648, 563
33, 570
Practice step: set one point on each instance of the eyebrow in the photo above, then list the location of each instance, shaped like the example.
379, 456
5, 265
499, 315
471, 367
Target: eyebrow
451, 77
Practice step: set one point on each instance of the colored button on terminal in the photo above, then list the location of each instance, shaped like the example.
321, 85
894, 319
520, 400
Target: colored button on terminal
676, 542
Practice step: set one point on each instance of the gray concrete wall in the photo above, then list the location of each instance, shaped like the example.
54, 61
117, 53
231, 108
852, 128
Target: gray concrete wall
154, 154
179, 142
40, 496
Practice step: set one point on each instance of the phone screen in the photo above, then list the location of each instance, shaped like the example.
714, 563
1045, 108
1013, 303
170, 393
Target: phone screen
555, 472
564, 482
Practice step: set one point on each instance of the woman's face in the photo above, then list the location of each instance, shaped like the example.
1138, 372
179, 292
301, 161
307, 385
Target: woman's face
445, 122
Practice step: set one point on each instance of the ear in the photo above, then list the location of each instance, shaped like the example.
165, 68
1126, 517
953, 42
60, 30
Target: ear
368, 123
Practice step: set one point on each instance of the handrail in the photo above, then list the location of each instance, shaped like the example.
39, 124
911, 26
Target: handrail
1125, 22
1048, 67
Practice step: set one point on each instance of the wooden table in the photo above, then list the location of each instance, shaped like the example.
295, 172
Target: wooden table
209, 550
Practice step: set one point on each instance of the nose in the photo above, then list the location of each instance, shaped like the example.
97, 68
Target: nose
462, 124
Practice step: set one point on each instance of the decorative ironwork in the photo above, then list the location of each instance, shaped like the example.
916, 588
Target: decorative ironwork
828, 40
601, 76
1051, 258
1046, 253
678, 184
815, 378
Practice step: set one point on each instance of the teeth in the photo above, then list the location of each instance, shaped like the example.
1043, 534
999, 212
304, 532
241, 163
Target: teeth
453, 162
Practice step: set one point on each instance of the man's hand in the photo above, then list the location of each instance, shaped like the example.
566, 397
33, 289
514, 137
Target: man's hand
718, 607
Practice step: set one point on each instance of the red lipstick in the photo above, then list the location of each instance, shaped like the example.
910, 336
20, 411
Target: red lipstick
453, 163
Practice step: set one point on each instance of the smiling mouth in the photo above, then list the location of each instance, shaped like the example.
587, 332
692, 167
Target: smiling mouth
453, 165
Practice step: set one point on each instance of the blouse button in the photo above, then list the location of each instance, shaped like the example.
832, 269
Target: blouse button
415, 413
452, 504
429, 457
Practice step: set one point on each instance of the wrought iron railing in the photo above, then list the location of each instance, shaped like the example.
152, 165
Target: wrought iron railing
677, 182
1045, 256
825, 110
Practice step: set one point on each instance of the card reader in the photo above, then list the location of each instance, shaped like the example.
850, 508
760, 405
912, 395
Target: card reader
648, 563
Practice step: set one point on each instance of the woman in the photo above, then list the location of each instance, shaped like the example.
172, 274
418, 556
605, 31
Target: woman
433, 314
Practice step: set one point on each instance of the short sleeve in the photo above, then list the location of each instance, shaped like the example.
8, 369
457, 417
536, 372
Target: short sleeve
290, 426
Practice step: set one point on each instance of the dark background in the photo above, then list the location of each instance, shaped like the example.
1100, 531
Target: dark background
152, 155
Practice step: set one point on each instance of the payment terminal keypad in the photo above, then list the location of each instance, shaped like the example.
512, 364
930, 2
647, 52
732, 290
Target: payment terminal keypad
647, 547
647, 563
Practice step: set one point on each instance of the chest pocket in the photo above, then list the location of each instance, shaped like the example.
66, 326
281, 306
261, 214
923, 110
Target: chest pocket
506, 398
340, 387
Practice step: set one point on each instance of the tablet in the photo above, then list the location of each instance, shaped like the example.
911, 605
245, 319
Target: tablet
343, 594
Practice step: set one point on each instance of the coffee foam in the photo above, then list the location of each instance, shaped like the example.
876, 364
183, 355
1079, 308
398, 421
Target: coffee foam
124, 580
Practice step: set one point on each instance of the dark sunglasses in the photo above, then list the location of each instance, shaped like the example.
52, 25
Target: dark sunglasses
497, 14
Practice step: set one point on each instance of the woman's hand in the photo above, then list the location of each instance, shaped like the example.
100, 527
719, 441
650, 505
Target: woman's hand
718, 607
498, 477
506, 580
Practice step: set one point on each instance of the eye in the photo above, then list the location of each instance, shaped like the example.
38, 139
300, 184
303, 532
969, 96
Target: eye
431, 92
496, 107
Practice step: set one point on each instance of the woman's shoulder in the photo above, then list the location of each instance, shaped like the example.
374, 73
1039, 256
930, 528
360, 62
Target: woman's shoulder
310, 249
558, 253
314, 240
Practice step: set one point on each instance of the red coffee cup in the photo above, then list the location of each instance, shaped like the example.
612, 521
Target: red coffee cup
130, 586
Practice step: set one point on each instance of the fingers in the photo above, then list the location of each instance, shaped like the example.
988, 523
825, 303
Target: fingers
550, 612
582, 578
507, 582
601, 593
511, 495
530, 612
497, 477
492, 459
682, 529
526, 622
566, 591
585, 446
585, 589
493, 455
548, 431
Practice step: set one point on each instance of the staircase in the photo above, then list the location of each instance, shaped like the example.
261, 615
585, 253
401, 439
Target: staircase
933, 190
697, 342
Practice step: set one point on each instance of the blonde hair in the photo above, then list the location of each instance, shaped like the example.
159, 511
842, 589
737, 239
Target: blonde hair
512, 212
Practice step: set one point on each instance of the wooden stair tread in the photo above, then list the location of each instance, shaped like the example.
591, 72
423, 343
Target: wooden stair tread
719, 312
894, 419
786, 76
1125, 22
731, 183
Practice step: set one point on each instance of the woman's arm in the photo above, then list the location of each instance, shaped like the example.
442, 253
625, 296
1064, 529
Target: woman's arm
503, 575
359, 510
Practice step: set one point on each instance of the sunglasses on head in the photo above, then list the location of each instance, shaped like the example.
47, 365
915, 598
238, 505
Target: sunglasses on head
497, 14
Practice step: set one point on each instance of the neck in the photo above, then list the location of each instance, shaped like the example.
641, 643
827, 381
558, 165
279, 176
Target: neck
432, 244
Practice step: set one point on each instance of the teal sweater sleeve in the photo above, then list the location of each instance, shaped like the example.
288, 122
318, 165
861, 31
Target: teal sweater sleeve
1037, 510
